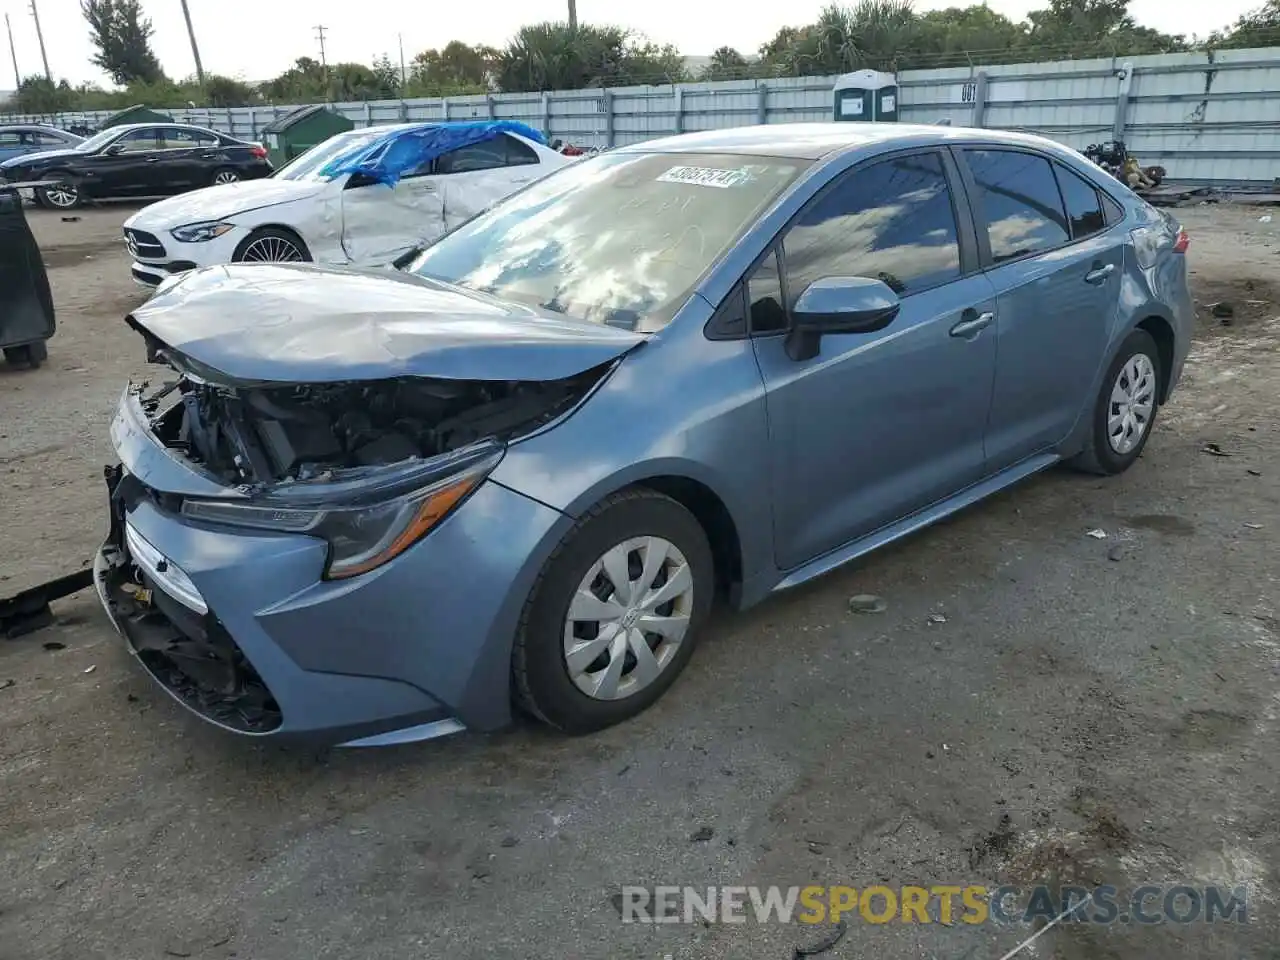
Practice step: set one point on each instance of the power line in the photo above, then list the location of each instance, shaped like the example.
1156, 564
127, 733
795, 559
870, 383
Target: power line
13, 53
35, 15
195, 50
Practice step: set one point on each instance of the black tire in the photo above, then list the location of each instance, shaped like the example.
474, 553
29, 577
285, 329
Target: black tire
540, 677
30, 355
1098, 456
64, 178
223, 172
271, 233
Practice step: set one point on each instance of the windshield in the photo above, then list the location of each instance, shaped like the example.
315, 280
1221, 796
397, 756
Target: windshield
619, 239
98, 140
308, 165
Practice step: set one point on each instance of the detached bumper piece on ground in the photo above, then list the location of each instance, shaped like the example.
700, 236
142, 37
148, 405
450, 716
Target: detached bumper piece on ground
26, 303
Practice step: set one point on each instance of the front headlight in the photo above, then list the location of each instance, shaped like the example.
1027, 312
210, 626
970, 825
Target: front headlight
200, 232
362, 537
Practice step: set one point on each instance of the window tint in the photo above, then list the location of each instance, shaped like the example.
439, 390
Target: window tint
1084, 209
764, 293
1019, 197
1115, 213
10, 138
138, 141
519, 154
892, 221
50, 140
174, 138
488, 155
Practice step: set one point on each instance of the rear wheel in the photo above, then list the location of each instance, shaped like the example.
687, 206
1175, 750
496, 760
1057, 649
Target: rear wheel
225, 175
63, 195
615, 613
1125, 412
272, 245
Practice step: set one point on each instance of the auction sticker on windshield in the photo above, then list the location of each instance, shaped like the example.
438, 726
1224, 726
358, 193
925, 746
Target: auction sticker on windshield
705, 176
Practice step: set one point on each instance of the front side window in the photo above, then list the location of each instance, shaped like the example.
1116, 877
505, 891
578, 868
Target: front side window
619, 239
891, 221
137, 141
1019, 200
1084, 210
51, 140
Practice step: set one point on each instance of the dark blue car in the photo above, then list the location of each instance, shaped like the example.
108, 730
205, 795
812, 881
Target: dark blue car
21, 139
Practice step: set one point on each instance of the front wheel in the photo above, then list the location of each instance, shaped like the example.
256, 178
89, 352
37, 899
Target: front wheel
1125, 412
615, 613
272, 245
63, 195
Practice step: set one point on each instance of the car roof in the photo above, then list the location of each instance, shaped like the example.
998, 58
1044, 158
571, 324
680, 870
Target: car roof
34, 127
815, 141
125, 127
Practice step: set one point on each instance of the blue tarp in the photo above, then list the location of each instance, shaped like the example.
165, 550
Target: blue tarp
389, 158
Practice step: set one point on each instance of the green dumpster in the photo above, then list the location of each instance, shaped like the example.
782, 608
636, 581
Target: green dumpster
135, 114
298, 131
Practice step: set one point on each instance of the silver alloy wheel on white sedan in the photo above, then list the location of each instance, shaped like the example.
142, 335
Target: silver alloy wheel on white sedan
63, 196
226, 176
1133, 401
272, 249
628, 618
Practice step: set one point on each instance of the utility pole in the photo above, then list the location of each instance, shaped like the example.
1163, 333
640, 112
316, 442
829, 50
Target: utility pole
403, 77
573, 14
17, 76
195, 50
35, 15
324, 64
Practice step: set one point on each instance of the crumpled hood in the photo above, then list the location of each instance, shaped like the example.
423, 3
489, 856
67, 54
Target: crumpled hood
221, 202
300, 323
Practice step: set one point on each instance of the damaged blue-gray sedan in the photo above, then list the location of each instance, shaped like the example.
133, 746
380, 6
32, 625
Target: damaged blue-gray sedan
379, 506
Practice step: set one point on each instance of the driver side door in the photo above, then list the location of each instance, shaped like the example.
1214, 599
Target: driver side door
881, 424
126, 167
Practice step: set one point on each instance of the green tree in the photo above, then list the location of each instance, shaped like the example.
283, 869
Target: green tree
122, 37
1258, 28
726, 64
457, 65
36, 94
555, 56
222, 91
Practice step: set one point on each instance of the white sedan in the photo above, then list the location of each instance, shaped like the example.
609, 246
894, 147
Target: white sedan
362, 198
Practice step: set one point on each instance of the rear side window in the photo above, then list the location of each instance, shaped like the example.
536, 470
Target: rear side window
1084, 207
1019, 201
891, 221
501, 151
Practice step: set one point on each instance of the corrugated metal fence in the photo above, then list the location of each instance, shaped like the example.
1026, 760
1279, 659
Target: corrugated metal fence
1204, 116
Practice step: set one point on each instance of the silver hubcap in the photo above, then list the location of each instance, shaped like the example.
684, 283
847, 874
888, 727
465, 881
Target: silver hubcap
1133, 398
225, 176
628, 618
272, 250
62, 195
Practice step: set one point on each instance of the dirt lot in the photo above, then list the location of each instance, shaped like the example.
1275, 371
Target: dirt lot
1104, 711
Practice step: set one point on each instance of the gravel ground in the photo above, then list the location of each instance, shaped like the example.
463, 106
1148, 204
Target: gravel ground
1102, 711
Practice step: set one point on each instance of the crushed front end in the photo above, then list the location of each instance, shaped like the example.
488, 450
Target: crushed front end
330, 560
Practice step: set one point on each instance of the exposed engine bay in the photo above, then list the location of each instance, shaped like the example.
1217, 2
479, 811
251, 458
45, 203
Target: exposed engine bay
248, 435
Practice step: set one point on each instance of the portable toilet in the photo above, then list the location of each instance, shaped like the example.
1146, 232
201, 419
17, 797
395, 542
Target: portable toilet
136, 114
299, 130
867, 95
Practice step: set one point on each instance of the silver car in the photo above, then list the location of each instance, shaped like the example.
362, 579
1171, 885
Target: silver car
374, 506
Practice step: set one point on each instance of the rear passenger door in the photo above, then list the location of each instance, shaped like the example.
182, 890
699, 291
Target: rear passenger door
474, 177
1056, 267
877, 425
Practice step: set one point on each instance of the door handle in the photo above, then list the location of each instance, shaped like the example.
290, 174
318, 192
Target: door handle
153, 159
968, 329
1100, 273
208, 156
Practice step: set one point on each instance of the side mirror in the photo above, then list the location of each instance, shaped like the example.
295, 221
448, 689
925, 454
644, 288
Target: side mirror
839, 305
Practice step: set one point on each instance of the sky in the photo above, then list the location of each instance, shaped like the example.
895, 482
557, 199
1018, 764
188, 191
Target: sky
257, 39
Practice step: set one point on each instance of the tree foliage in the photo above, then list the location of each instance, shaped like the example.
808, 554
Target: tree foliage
121, 36
880, 34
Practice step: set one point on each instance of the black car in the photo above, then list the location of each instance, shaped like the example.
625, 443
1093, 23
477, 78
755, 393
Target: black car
138, 160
